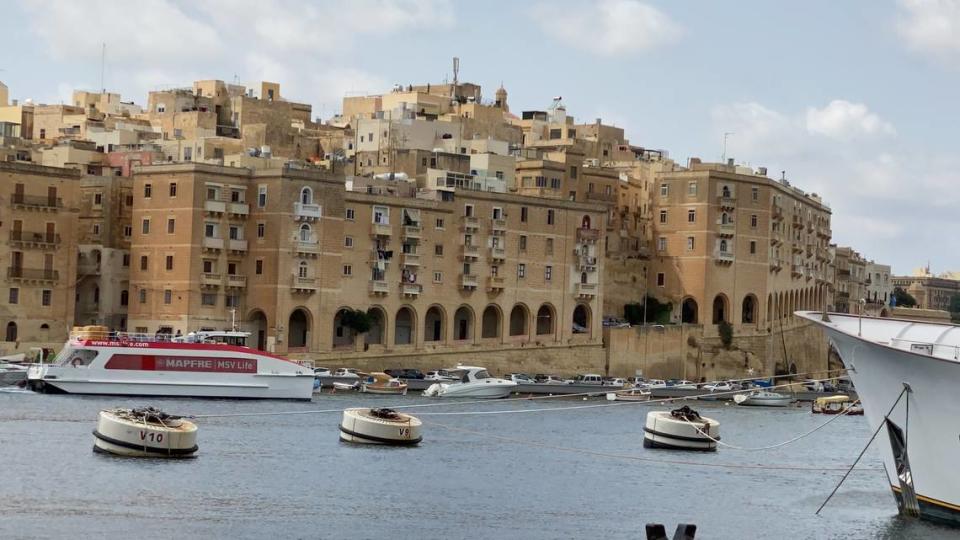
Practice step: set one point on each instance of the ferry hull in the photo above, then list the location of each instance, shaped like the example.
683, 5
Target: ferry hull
265, 387
919, 437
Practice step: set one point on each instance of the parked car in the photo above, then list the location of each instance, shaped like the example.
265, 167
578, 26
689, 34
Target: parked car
540, 377
653, 383
615, 322
814, 385
722, 386
346, 373
440, 375
520, 378
636, 381
682, 384
321, 372
555, 379
615, 381
577, 329
405, 373
587, 378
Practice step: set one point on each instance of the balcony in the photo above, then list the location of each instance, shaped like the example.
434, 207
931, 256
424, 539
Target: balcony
495, 284
776, 239
498, 225
498, 253
723, 257
36, 202
777, 212
32, 274
208, 279
241, 209
238, 281
586, 290
412, 232
728, 202
410, 290
380, 229
379, 287
797, 221
232, 132
213, 206
410, 259
471, 223
796, 270
306, 211
303, 284
237, 245
587, 264
306, 248
776, 264
469, 281
588, 235
212, 243
43, 240
602, 197
796, 248
88, 267
727, 229
469, 252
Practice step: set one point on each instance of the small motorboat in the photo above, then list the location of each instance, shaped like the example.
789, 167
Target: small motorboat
12, 374
681, 429
763, 398
381, 383
474, 382
840, 404
346, 387
633, 394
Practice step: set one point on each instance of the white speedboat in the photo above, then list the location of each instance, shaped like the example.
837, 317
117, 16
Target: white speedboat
907, 374
12, 374
475, 382
202, 364
632, 394
763, 398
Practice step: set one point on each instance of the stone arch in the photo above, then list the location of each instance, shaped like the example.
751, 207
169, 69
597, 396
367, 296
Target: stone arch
721, 309
748, 311
306, 195
689, 311
342, 336
378, 325
298, 328
519, 320
257, 324
463, 323
491, 322
581, 319
546, 317
433, 327
404, 326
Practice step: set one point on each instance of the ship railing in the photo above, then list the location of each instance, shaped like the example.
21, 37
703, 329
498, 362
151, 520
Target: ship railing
928, 348
110, 335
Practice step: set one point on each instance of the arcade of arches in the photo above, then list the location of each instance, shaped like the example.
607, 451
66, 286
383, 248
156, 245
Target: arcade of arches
749, 310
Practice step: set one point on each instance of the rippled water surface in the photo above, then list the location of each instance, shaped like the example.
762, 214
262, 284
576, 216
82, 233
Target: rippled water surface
289, 477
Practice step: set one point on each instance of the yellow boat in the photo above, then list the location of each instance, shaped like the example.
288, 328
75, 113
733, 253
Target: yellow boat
381, 383
840, 404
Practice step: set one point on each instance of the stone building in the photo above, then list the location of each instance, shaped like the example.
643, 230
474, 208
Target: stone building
850, 279
931, 291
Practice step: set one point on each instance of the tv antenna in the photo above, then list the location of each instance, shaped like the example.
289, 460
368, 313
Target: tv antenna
103, 59
726, 134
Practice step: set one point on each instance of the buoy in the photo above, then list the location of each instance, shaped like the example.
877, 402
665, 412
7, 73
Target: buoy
380, 426
681, 429
146, 432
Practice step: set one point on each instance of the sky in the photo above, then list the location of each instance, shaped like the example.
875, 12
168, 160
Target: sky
854, 100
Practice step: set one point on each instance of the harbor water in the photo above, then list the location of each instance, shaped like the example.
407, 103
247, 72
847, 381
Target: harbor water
564, 474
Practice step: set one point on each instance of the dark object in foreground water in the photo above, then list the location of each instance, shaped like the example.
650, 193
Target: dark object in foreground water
685, 531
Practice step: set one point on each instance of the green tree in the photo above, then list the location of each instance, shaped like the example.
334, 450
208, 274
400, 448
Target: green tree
726, 333
955, 304
903, 298
656, 311
356, 320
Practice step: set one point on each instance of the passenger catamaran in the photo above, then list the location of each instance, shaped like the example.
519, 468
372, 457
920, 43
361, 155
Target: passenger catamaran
907, 374
202, 364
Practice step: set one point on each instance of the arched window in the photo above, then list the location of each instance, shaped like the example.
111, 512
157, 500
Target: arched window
305, 233
585, 222
726, 191
723, 246
583, 277
11, 331
306, 196
749, 310
724, 218
302, 269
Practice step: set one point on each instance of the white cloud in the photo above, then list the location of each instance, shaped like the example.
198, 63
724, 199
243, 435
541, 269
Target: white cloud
931, 27
841, 119
609, 27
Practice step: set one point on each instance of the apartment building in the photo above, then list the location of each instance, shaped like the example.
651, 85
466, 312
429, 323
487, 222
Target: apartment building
929, 290
40, 253
732, 245
878, 284
283, 252
851, 279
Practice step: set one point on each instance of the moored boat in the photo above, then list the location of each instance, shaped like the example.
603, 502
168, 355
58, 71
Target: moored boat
474, 382
381, 383
681, 429
840, 404
202, 364
633, 394
763, 398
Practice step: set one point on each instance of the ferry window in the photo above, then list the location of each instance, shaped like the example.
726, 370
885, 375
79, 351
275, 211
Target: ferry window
79, 357
14, 297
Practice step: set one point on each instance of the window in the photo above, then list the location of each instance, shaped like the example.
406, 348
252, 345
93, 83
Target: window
236, 196
690, 243
348, 241
46, 295
167, 296
662, 243
126, 260
145, 226
98, 199
235, 233
692, 188
169, 262
548, 273
755, 193
521, 270
439, 223
14, 297
124, 298
438, 277
147, 191
143, 296
753, 221
171, 225
347, 270
573, 172
261, 230
381, 215
523, 214
173, 189
661, 279
210, 230
555, 183
548, 249
438, 250
691, 216
144, 262
497, 213
129, 200
753, 247
259, 267
208, 299
127, 231
663, 216
549, 217
188, 153
523, 242
664, 190
96, 229
262, 196
232, 301
207, 266
468, 210
350, 214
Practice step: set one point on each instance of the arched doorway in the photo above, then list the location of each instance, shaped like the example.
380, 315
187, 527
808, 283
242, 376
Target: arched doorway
342, 336
748, 314
490, 324
378, 322
719, 309
404, 326
688, 311
463, 324
11, 331
518, 320
298, 329
545, 320
581, 319
433, 324
257, 322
